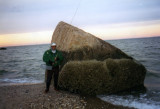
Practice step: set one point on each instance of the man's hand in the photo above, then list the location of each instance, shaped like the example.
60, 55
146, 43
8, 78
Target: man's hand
53, 64
50, 62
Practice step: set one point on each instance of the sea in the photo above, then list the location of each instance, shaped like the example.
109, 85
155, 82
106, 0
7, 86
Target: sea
23, 65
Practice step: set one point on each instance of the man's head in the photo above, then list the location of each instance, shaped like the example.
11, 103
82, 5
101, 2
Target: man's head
53, 46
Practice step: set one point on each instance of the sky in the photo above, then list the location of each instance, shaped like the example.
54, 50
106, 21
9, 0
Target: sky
24, 22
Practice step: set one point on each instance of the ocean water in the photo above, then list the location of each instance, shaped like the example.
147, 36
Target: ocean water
21, 64
147, 52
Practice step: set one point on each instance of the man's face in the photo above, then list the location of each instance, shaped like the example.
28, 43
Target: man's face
53, 47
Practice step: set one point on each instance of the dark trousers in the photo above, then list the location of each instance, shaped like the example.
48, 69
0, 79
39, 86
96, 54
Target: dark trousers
50, 73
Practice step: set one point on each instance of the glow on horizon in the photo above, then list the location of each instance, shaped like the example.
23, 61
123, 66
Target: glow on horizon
105, 32
23, 23
126, 30
25, 38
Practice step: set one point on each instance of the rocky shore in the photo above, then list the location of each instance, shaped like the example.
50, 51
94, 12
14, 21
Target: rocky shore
32, 96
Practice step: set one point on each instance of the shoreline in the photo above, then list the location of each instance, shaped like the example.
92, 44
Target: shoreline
19, 84
32, 96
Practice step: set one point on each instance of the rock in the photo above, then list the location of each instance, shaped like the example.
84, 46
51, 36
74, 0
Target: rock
97, 67
101, 77
77, 44
26, 91
3, 48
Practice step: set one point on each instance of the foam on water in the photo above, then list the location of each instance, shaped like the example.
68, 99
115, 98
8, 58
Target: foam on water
130, 101
20, 80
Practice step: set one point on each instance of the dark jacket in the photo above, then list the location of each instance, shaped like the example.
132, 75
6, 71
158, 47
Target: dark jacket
55, 58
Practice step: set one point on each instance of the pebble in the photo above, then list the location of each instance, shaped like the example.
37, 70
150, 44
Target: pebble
39, 100
26, 91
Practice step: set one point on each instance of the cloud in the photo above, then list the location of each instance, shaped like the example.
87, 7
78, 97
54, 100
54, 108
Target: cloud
125, 30
41, 15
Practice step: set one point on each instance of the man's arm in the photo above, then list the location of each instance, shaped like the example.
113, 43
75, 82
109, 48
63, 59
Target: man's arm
60, 58
46, 57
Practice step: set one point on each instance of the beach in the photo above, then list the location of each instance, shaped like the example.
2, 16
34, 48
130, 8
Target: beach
21, 79
32, 96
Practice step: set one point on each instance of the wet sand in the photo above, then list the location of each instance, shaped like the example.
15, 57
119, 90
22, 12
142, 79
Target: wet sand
32, 96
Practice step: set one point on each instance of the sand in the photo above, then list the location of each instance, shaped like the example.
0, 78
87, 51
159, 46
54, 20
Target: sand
32, 96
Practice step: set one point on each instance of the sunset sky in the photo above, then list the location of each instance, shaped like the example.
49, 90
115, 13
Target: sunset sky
24, 22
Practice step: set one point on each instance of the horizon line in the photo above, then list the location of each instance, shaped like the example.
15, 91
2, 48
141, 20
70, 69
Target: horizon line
102, 39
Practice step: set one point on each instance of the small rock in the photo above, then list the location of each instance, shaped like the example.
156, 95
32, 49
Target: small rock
26, 91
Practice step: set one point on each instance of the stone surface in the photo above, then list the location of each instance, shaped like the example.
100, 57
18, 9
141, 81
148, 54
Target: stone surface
80, 45
93, 66
101, 77
14, 97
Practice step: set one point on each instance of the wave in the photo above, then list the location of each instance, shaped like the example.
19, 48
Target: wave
141, 102
20, 80
153, 73
3, 72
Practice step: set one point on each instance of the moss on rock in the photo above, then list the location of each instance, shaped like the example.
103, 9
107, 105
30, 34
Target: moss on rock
101, 77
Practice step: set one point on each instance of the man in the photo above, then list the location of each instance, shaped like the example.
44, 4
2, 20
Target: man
53, 58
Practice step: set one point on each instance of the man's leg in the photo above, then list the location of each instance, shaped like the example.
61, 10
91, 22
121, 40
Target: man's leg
49, 78
56, 74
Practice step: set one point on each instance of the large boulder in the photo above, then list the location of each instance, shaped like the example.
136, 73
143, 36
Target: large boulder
77, 44
101, 77
97, 66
